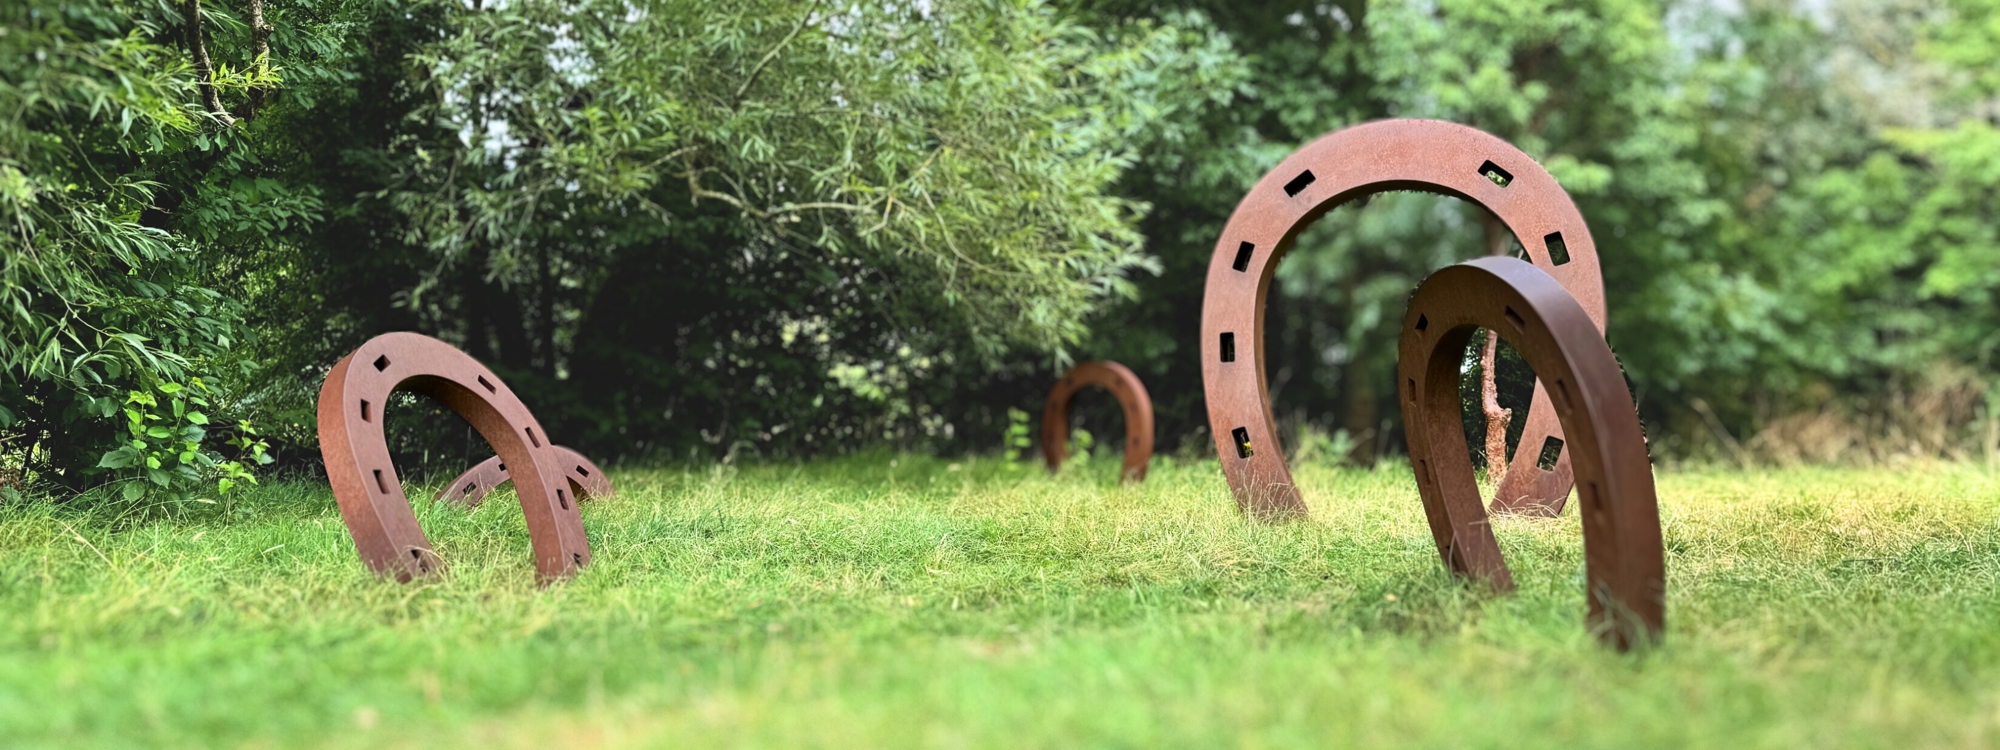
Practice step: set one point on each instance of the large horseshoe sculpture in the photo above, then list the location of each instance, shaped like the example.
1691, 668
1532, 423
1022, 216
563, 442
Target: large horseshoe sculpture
586, 481
1624, 562
1425, 155
1131, 395
364, 481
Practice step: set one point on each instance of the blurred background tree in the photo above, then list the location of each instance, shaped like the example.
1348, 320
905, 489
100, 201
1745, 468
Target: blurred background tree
784, 227
1722, 155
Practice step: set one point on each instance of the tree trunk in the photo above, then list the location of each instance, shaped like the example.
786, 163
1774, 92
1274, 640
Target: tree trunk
545, 310
204, 70
1497, 419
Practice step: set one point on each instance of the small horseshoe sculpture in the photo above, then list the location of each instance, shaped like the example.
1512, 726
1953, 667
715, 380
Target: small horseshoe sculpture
364, 480
586, 481
1625, 565
1131, 395
1426, 155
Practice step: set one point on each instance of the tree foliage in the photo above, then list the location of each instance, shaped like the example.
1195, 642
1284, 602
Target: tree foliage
774, 226
795, 226
105, 313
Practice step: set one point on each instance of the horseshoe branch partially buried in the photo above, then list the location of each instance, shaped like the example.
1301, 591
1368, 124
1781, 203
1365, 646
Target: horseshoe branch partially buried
1624, 558
586, 481
1132, 397
364, 480
1424, 155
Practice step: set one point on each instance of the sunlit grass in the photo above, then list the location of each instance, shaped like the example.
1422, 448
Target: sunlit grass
910, 601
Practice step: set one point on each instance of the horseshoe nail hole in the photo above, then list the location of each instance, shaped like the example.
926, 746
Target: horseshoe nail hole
1558, 251
1229, 347
503, 467
469, 488
487, 385
576, 557
1593, 498
1423, 323
382, 363
1515, 318
1552, 449
1299, 183
582, 471
364, 411
538, 441
1242, 438
563, 498
381, 484
1494, 173
1243, 252
1424, 472
1562, 395
1411, 388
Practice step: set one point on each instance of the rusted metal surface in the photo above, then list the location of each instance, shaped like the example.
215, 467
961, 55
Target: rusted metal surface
586, 481
1624, 562
1131, 395
1424, 155
371, 498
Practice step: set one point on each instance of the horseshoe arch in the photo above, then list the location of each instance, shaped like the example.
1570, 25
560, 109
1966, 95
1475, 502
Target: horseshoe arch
1625, 562
586, 481
378, 515
1131, 395
1423, 155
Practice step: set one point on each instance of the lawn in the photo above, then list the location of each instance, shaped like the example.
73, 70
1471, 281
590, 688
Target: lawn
905, 601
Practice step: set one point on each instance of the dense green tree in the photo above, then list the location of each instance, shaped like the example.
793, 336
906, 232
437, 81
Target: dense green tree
119, 170
769, 225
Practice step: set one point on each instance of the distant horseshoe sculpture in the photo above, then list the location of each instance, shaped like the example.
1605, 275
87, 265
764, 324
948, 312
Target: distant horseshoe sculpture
586, 481
1624, 560
364, 480
1131, 395
1425, 155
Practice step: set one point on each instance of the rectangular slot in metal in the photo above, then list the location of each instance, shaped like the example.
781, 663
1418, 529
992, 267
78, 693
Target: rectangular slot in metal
1558, 250
1299, 183
1243, 252
1552, 449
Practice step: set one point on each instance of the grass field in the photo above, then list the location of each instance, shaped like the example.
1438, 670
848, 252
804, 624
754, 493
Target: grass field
906, 601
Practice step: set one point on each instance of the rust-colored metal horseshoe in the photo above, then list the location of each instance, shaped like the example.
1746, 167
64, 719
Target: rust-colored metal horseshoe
1131, 395
364, 481
1425, 155
586, 481
1624, 561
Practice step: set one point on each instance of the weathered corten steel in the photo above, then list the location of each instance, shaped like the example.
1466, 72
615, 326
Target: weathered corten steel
1424, 155
586, 481
1131, 395
1624, 562
364, 481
